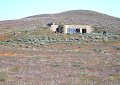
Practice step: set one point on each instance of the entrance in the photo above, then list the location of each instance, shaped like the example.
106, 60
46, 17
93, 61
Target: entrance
77, 30
84, 31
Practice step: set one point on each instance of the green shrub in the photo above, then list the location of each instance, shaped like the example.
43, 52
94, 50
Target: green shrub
55, 65
97, 50
76, 64
116, 48
3, 76
15, 69
114, 77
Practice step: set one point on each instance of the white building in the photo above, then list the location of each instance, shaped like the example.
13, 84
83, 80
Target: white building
71, 29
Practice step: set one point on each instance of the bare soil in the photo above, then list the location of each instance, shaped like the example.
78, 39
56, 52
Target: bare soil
61, 64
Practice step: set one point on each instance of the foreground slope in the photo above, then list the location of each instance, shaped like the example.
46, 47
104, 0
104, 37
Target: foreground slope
61, 64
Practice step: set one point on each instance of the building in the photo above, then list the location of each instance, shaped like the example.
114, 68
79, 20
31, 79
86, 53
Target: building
71, 29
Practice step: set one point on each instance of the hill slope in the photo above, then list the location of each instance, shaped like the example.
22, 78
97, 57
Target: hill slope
85, 17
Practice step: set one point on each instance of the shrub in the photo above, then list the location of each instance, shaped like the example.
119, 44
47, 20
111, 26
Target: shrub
97, 50
60, 28
55, 65
76, 64
15, 69
114, 77
3, 76
116, 48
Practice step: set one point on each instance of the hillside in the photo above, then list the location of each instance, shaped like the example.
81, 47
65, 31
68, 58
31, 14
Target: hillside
33, 55
99, 20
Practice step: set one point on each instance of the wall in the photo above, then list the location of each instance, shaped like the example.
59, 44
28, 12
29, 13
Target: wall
66, 27
53, 27
88, 28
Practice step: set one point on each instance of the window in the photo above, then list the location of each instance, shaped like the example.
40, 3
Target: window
77, 30
71, 30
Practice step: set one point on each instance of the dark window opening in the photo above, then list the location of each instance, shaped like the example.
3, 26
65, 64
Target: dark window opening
77, 30
84, 31
57, 30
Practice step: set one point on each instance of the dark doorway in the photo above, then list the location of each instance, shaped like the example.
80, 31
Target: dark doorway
84, 31
77, 30
57, 30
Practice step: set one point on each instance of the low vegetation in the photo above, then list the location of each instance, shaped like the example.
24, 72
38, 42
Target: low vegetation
42, 57
39, 37
3, 76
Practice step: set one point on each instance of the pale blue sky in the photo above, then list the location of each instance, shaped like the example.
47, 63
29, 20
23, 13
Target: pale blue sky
15, 9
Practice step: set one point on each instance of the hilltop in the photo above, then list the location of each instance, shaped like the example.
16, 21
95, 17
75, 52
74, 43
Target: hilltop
84, 17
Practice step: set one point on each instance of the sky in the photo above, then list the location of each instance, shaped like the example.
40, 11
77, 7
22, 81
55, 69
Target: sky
16, 9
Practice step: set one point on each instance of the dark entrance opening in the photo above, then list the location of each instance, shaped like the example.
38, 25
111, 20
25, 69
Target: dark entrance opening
57, 30
77, 30
84, 31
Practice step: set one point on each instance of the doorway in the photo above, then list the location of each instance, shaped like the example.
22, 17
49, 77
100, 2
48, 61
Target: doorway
84, 31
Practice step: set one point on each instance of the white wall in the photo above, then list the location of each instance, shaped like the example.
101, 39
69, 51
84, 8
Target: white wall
88, 28
53, 27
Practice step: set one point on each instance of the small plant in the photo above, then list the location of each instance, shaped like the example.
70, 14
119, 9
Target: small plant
97, 50
3, 76
76, 64
116, 48
15, 69
55, 65
114, 77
